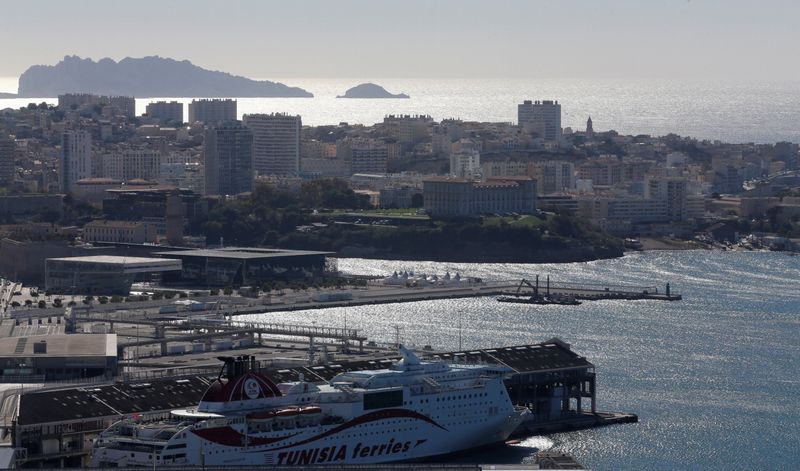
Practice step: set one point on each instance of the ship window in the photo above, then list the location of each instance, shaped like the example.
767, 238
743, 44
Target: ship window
383, 399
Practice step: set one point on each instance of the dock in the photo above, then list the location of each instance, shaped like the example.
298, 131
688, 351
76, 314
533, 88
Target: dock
549, 378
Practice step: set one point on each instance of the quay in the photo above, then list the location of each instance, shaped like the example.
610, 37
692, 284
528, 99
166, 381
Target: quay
554, 382
374, 293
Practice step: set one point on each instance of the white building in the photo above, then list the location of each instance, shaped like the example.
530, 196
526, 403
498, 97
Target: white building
461, 197
212, 111
165, 111
465, 164
276, 143
363, 155
130, 164
76, 158
541, 117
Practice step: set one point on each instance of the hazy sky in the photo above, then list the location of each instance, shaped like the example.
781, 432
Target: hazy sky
417, 38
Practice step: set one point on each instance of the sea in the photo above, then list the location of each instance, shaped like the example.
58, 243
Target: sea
735, 111
713, 378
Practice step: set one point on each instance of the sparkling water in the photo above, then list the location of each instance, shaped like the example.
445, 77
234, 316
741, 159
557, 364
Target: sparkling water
731, 111
713, 377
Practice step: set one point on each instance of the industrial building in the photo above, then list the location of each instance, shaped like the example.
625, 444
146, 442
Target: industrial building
58, 357
243, 266
102, 274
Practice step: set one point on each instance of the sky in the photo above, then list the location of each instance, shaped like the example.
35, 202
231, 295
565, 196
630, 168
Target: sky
265, 39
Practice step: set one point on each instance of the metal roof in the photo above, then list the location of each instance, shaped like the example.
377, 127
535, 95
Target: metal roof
168, 394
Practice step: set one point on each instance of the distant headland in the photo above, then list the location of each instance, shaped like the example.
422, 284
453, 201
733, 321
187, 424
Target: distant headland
370, 90
148, 77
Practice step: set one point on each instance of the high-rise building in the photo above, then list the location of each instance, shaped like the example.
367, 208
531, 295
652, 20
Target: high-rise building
212, 111
76, 158
363, 155
541, 117
673, 190
228, 156
7, 150
589, 126
165, 111
276, 143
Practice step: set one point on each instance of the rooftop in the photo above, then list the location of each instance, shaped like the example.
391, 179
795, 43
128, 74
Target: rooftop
117, 260
167, 394
112, 223
242, 253
64, 345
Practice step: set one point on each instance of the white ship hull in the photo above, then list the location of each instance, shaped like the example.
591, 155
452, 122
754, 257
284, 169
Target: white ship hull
391, 418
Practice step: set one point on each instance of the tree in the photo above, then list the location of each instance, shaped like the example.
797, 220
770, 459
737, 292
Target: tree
102, 299
42, 304
57, 302
116, 299
227, 291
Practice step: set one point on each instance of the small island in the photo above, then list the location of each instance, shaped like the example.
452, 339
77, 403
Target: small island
370, 90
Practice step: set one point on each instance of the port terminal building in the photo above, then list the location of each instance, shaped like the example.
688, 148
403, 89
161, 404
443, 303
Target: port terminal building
103, 274
234, 266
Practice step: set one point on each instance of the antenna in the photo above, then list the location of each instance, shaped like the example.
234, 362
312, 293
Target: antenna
397, 335
459, 329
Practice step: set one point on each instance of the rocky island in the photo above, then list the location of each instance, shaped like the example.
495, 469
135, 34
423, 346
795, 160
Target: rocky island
149, 77
370, 90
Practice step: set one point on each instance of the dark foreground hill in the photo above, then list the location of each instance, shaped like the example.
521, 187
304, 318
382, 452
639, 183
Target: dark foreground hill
151, 76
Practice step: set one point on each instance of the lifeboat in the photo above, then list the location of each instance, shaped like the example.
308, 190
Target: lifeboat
310, 415
287, 417
265, 416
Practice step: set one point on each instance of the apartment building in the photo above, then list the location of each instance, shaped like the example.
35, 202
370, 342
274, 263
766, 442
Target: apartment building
276, 143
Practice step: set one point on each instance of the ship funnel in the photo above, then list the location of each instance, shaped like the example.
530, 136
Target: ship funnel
409, 357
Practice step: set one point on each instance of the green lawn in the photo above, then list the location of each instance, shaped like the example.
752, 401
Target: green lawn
524, 221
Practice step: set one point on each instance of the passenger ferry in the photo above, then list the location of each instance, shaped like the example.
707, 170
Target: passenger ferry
413, 410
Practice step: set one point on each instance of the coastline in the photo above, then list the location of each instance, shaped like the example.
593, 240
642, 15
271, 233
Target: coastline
570, 255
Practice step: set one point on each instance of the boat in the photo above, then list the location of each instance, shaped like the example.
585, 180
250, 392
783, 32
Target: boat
413, 410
